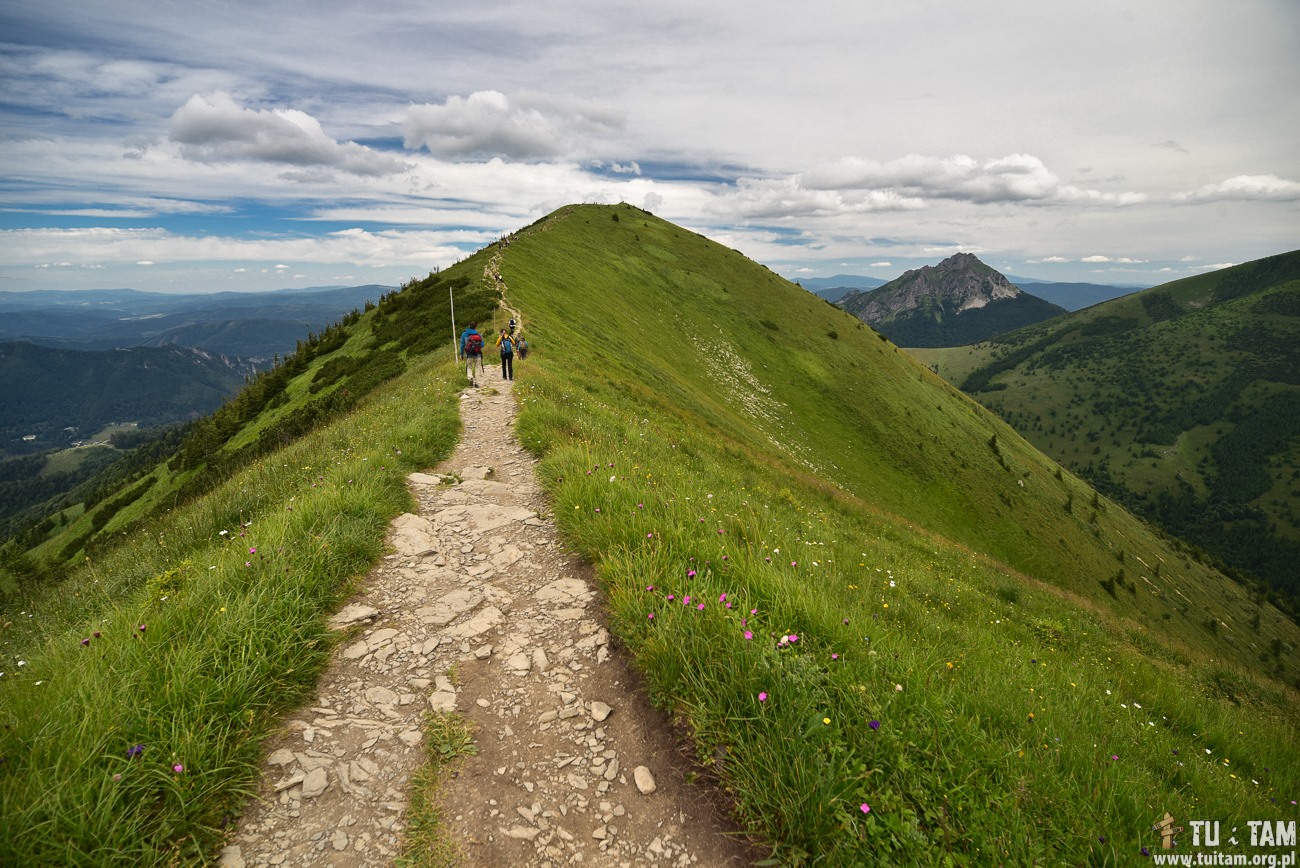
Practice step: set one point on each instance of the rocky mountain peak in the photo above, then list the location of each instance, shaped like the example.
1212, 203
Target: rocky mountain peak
957, 284
960, 300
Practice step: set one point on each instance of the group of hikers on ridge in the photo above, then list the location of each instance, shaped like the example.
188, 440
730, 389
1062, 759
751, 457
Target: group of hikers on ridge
471, 351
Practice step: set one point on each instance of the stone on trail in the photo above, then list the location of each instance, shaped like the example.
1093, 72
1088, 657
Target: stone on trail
519, 663
645, 782
413, 536
566, 590
442, 701
316, 782
484, 488
484, 620
600, 711
482, 519
523, 833
232, 857
281, 757
379, 695
449, 607
352, 614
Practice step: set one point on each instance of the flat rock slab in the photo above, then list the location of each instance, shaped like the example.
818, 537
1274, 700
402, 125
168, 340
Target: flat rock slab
449, 607
413, 536
427, 478
481, 488
564, 592
353, 613
478, 624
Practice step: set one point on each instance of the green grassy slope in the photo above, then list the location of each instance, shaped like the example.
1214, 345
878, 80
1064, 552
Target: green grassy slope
195, 616
1182, 400
987, 655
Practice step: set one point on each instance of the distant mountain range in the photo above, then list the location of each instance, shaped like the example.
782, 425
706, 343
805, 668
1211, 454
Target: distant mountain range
1070, 296
959, 301
835, 288
254, 326
1073, 296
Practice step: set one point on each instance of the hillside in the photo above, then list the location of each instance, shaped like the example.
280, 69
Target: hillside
911, 637
959, 301
48, 391
1180, 400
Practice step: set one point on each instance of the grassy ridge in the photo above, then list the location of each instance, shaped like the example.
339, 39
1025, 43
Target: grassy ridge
134, 695
926, 636
194, 635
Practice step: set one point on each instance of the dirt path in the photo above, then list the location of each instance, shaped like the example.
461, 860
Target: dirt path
573, 765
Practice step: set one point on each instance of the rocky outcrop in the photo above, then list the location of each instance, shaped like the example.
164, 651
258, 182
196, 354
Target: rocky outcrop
961, 300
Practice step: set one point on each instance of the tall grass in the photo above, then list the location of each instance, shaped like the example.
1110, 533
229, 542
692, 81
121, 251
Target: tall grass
889, 650
827, 658
134, 737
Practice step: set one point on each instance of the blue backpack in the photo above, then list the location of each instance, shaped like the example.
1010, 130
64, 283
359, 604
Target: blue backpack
507, 347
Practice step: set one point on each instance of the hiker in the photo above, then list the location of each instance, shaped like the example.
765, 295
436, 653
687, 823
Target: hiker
512, 325
523, 347
507, 346
471, 350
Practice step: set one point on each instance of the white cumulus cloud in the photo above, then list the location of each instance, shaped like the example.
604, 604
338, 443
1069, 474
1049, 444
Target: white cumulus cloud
1246, 188
487, 123
1013, 178
217, 129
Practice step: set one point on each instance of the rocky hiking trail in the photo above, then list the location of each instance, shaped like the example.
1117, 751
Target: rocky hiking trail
480, 611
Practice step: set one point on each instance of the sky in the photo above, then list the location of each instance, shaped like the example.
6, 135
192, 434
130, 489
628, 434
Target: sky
181, 147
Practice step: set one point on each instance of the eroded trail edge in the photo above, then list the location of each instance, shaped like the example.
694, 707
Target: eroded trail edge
479, 611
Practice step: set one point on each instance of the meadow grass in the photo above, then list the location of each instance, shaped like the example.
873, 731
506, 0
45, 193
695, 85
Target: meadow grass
134, 737
826, 658
427, 843
889, 650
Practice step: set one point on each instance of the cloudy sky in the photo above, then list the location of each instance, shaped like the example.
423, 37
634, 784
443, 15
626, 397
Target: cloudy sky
255, 145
